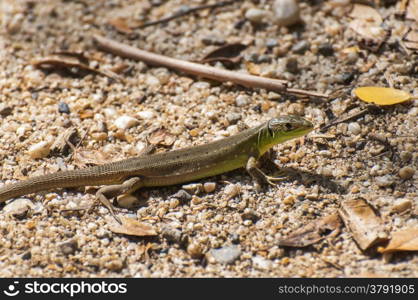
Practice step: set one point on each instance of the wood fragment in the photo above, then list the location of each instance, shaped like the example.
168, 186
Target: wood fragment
131, 226
365, 226
198, 69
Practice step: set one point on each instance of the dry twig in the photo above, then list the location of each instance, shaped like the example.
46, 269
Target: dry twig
185, 11
199, 69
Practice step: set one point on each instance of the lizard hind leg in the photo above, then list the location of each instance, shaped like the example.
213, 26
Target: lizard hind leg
107, 192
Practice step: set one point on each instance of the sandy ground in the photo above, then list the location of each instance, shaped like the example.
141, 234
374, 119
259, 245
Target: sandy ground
40, 238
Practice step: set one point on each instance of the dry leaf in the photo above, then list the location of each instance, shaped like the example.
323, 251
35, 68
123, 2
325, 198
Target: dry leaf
366, 22
120, 68
70, 62
82, 158
381, 95
313, 232
252, 68
361, 220
229, 54
161, 137
411, 39
61, 143
412, 10
133, 227
404, 240
366, 13
120, 25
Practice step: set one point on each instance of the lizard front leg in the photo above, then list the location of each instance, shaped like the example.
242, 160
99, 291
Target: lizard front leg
259, 176
107, 192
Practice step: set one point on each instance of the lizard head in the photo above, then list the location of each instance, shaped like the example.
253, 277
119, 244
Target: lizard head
281, 129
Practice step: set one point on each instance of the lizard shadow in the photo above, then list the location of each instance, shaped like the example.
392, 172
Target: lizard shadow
309, 178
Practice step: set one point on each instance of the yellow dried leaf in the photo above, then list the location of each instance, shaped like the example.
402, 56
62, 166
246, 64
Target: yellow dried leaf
252, 68
404, 240
381, 95
133, 227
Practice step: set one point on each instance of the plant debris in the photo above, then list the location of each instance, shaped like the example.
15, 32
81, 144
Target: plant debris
131, 226
403, 240
360, 218
73, 63
381, 95
313, 232
228, 54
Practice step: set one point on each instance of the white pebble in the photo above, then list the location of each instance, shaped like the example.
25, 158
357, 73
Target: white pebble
18, 206
152, 81
255, 15
21, 130
354, 128
109, 112
261, 263
39, 150
125, 122
146, 114
286, 12
209, 187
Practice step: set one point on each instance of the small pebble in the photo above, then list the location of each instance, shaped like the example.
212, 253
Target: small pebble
401, 205
384, 181
145, 115
296, 109
173, 235
232, 190
226, 255
193, 188
354, 128
209, 187
182, 196
326, 50
213, 40
69, 247
346, 77
242, 100
406, 156
255, 15
40, 149
271, 43
286, 12
63, 108
125, 122
195, 250
234, 237
273, 96
27, 255
292, 65
406, 172
261, 263
301, 47
249, 214
5, 110
152, 81
233, 118
19, 208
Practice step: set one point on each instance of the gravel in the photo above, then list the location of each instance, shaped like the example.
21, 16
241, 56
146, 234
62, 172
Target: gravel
195, 228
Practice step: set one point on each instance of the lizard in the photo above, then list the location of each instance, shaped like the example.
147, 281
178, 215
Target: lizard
172, 167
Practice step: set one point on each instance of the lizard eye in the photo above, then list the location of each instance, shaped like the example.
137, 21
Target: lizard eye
288, 126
